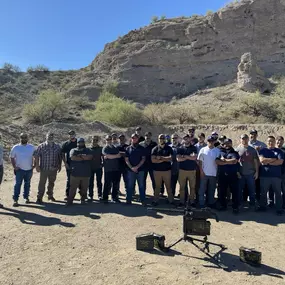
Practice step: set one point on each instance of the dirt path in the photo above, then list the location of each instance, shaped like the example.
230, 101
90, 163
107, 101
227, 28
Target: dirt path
95, 244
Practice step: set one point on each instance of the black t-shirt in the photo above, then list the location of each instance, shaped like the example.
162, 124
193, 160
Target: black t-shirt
159, 151
96, 162
80, 168
111, 164
229, 168
135, 154
122, 148
148, 150
67, 147
187, 164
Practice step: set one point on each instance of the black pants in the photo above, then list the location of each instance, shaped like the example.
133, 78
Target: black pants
228, 181
67, 182
150, 172
124, 174
111, 182
98, 173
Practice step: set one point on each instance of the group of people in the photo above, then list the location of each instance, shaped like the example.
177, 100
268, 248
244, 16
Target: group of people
201, 166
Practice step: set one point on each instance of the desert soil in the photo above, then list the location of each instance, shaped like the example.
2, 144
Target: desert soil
95, 244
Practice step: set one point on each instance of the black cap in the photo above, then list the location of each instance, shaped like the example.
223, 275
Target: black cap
71, 132
121, 136
81, 140
138, 128
114, 135
210, 139
253, 132
223, 137
228, 141
244, 136
186, 136
134, 136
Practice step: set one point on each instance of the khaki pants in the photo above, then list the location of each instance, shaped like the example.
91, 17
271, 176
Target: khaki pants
78, 182
45, 175
189, 175
164, 176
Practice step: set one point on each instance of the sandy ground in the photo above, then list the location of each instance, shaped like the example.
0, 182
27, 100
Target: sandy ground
95, 244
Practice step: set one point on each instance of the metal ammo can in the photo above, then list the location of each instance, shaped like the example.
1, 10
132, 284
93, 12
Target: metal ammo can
250, 256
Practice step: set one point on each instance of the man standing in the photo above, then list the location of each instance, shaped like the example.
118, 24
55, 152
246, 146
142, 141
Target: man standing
249, 168
208, 172
138, 133
135, 158
96, 169
280, 145
115, 139
48, 163
191, 133
187, 156
112, 173
22, 160
122, 164
148, 144
175, 145
271, 159
161, 158
228, 175
80, 171
65, 149
201, 143
1, 164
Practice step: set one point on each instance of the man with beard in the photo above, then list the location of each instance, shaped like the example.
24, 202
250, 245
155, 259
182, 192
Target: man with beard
48, 163
228, 175
148, 145
215, 135
201, 142
249, 168
208, 171
122, 164
135, 158
96, 169
280, 145
112, 173
138, 133
115, 140
65, 149
22, 160
161, 158
80, 171
271, 159
187, 156
191, 133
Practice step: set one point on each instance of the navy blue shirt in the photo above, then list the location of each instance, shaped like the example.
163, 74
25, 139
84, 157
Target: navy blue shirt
135, 154
271, 170
148, 149
187, 164
111, 164
229, 168
159, 151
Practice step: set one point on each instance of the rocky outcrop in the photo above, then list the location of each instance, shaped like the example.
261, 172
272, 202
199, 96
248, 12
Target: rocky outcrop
178, 56
250, 78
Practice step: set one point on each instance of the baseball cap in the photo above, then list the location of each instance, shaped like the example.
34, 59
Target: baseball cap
108, 137
121, 136
138, 128
223, 137
253, 132
161, 136
80, 140
215, 134
113, 134
71, 132
244, 136
134, 136
186, 136
228, 141
210, 138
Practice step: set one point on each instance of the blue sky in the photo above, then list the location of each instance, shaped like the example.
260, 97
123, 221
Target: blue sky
67, 34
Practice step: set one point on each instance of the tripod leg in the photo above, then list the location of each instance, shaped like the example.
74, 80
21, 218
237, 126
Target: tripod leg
181, 239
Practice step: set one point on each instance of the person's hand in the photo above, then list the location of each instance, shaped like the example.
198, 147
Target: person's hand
255, 176
38, 168
222, 158
134, 169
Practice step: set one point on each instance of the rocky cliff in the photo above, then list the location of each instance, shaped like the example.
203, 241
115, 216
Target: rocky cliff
174, 57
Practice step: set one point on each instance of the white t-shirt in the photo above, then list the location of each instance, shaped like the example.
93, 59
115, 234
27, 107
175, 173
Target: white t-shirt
208, 157
23, 155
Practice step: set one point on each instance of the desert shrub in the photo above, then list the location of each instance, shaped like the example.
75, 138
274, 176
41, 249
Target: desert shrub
48, 106
280, 88
209, 13
110, 86
38, 68
10, 67
115, 110
154, 19
163, 17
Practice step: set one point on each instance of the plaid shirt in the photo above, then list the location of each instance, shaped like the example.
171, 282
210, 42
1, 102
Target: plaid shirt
49, 155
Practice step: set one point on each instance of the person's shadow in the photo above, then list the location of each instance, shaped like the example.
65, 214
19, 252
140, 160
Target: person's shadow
33, 218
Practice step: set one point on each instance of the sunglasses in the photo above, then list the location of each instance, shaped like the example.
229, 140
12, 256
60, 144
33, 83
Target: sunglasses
162, 138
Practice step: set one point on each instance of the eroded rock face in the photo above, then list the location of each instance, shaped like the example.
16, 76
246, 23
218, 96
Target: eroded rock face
250, 78
178, 56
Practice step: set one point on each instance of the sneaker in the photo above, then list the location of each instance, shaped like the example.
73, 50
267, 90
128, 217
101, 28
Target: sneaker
27, 201
15, 204
39, 201
51, 199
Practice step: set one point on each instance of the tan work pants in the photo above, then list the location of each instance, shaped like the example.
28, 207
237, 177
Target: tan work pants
45, 175
78, 182
185, 175
164, 176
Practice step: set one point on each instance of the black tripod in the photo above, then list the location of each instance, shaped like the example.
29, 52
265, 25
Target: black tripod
204, 249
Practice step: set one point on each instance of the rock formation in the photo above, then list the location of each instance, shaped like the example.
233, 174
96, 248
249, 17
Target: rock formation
250, 78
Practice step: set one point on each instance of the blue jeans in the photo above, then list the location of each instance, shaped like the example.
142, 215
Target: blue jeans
22, 175
207, 182
132, 178
249, 181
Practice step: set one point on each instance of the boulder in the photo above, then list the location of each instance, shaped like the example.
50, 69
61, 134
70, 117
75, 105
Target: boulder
250, 78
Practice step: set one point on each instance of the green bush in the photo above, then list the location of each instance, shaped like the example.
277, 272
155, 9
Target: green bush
154, 19
163, 17
48, 106
111, 86
38, 68
10, 67
114, 110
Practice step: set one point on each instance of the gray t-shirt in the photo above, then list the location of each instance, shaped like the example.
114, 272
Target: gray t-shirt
247, 157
